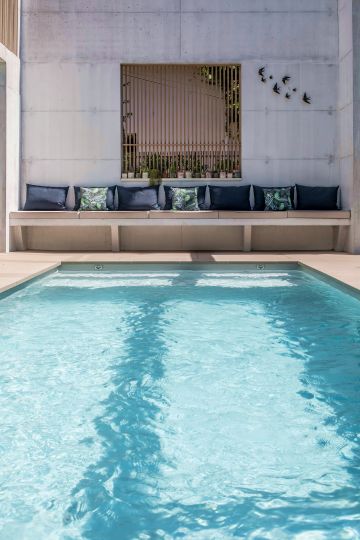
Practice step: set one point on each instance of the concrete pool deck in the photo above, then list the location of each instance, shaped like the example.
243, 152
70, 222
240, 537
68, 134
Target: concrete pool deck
18, 267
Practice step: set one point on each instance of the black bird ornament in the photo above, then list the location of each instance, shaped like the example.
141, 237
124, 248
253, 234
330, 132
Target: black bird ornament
263, 79
261, 71
286, 79
306, 98
276, 88
287, 95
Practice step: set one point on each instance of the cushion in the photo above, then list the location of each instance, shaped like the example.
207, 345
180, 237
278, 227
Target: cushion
229, 197
316, 197
45, 197
93, 199
110, 197
259, 199
184, 198
138, 198
201, 191
277, 199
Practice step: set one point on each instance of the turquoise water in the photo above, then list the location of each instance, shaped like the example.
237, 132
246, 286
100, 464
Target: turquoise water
195, 404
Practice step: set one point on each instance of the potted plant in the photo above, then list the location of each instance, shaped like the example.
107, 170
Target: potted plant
181, 170
145, 172
124, 175
154, 177
131, 173
222, 169
172, 171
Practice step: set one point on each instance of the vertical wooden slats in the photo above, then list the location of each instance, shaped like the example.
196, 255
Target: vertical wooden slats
181, 116
9, 24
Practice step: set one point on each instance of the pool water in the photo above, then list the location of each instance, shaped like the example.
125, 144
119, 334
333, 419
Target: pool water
178, 403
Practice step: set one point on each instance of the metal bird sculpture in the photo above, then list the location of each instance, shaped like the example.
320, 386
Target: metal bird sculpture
263, 79
261, 71
294, 89
276, 88
287, 95
271, 77
306, 98
286, 79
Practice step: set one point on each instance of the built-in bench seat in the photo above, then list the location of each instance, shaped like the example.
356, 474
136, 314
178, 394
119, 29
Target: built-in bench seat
338, 219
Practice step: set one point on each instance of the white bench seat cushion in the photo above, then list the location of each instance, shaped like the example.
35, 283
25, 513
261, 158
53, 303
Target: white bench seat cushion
319, 214
116, 214
238, 214
44, 214
168, 214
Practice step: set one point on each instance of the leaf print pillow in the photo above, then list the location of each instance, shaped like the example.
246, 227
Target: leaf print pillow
93, 198
277, 199
184, 199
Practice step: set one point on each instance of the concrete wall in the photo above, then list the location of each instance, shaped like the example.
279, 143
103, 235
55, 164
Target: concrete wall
9, 139
71, 55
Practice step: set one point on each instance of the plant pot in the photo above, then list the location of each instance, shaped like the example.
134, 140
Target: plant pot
222, 175
215, 174
124, 175
188, 174
237, 174
131, 175
203, 175
209, 174
145, 175
229, 175
196, 175
181, 174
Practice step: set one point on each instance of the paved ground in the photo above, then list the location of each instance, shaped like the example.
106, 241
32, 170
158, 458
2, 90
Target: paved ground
19, 267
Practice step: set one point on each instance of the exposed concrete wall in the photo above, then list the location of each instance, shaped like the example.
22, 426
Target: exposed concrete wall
355, 229
72, 51
9, 139
71, 105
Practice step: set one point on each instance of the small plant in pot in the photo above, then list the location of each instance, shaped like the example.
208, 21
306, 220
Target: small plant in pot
222, 169
172, 171
208, 172
145, 173
131, 172
154, 177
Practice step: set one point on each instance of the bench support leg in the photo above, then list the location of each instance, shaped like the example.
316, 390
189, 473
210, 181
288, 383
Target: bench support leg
19, 238
247, 238
340, 237
115, 238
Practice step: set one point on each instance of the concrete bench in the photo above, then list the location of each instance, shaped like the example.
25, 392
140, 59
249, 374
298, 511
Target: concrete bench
338, 219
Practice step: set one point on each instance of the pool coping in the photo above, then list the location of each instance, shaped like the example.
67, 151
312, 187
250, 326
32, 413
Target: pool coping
20, 267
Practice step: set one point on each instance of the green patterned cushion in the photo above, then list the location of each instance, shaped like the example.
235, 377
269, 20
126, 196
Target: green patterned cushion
93, 198
277, 198
184, 198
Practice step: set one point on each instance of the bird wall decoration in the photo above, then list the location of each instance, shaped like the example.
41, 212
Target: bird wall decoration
285, 81
276, 88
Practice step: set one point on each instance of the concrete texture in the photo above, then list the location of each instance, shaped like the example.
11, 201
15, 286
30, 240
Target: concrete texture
9, 139
17, 268
72, 51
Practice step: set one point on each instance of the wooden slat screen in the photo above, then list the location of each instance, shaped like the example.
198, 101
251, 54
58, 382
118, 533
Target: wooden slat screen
181, 117
9, 24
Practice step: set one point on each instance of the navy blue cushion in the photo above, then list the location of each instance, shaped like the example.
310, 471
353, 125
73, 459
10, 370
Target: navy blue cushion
259, 198
110, 197
45, 197
201, 191
138, 198
316, 197
229, 197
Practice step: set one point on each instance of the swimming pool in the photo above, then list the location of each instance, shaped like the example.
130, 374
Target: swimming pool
168, 402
